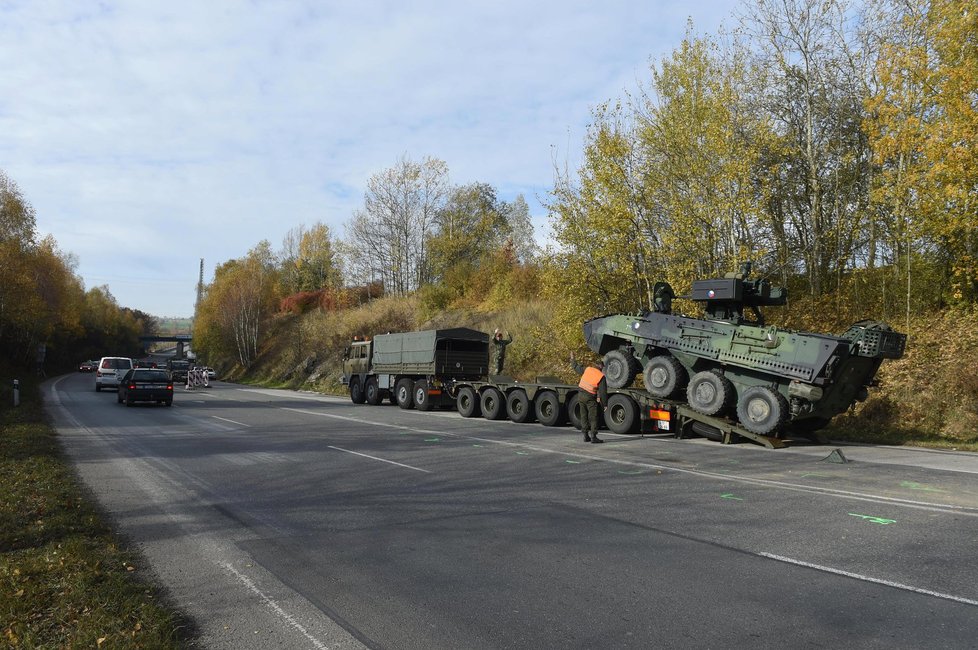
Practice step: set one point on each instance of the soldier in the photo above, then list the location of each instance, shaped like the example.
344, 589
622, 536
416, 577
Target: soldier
499, 350
594, 389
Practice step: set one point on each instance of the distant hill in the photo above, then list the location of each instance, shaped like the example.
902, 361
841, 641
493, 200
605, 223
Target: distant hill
170, 326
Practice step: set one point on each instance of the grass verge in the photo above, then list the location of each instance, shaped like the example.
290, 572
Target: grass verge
65, 580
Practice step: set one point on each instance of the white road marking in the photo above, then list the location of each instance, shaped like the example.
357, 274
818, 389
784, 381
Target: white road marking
288, 618
242, 424
879, 581
383, 460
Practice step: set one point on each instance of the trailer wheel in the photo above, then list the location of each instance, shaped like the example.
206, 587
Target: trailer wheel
762, 410
664, 375
574, 410
620, 368
422, 400
467, 403
372, 392
709, 392
356, 392
403, 392
621, 415
549, 410
493, 405
518, 406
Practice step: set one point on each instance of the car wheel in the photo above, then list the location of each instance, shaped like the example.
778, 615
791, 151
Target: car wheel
98, 387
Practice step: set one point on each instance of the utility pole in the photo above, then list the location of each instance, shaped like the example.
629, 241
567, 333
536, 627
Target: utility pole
200, 287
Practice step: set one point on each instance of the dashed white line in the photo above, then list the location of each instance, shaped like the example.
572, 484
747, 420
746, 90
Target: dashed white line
864, 578
383, 460
240, 424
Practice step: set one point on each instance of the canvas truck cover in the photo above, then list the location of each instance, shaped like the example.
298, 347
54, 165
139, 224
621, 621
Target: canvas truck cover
457, 352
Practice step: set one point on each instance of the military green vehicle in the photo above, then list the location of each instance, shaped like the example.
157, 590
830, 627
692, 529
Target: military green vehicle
414, 369
731, 363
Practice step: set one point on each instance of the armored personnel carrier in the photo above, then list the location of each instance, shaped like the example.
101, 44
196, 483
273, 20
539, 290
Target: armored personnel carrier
732, 364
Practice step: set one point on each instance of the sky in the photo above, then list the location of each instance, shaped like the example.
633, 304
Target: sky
150, 135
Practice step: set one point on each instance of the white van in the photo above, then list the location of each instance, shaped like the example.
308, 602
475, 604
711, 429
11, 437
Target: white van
110, 371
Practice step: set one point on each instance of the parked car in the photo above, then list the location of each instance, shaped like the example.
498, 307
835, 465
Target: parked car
110, 371
146, 385
210, 372
88, 366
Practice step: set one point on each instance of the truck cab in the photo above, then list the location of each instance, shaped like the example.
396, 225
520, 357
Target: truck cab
356, 360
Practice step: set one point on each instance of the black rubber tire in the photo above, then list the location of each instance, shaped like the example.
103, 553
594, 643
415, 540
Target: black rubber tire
493, 405
762, 410
548, 409
356, 392
404, 392
664, 376
621, 416
620, 368
169, 402
467, 403
422, 400
706, 431
518, 406
709, 392
98, 388
371, 392
574, 410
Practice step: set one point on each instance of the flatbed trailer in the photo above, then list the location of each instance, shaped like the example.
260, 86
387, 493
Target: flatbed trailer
630, 410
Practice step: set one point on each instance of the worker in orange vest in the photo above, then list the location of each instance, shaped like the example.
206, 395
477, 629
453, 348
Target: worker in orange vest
594, 390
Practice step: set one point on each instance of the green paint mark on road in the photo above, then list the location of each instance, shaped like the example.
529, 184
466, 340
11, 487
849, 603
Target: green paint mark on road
919, 486
630, 471
817, 474
875, 520
573, 462
522, 453
729, 495
432, 439
477, 445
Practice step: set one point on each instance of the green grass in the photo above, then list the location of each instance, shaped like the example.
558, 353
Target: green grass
65, 580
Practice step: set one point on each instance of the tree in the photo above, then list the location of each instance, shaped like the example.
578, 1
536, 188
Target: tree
389, 236
308, 261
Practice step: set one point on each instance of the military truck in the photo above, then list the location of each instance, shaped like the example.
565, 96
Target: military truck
414, 369
731, 364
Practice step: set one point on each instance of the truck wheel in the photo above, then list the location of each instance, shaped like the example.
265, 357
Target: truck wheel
467, 403
620, 368
518, 407
549, 410
622, 414
762, 410
493, 405
422, 400
574, 410
404, 392
356, 392
664, 375
372, 392
709, 392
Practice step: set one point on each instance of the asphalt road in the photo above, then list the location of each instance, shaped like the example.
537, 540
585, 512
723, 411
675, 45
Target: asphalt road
292, 520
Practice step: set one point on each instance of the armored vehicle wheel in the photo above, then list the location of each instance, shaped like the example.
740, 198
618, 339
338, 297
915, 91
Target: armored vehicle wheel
709, 392
404, 393
620, 368
493, 404
518, 406
467, 402
548, 409
422, 400
574, 410
356, 392
664, 375
762, 410
621, 415
372, 392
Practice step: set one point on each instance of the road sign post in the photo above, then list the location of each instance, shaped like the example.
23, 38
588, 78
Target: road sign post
16, 392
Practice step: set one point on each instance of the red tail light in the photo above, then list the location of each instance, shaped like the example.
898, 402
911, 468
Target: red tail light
132, 386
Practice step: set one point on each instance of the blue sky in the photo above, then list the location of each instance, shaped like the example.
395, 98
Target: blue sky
148, 135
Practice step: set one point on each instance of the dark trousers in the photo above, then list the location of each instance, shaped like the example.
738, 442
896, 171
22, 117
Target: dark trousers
589, 413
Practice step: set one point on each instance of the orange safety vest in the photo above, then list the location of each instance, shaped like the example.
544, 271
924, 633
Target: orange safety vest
590, 380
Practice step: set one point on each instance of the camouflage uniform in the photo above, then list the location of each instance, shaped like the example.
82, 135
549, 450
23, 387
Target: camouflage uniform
498, 351
589, 405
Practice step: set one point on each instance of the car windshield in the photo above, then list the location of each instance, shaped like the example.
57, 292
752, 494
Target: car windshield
149, 375
117, 364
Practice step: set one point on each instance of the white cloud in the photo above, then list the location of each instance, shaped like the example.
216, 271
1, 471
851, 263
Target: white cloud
182, 130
